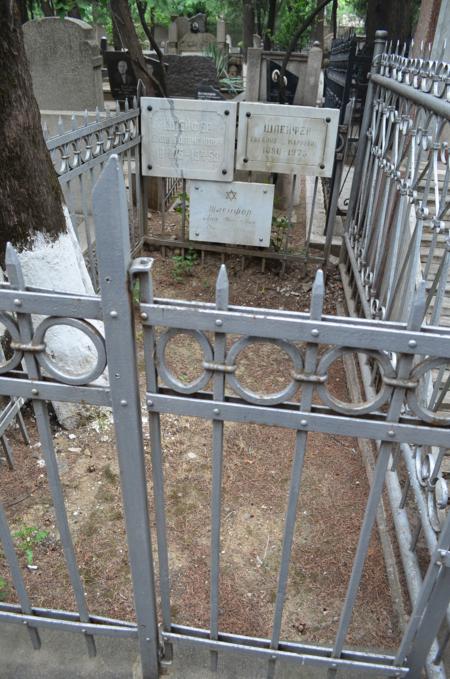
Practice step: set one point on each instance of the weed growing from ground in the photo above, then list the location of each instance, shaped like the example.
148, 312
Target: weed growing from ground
183, 265
27, 538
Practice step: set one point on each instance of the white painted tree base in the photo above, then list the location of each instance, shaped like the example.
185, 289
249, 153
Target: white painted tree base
59, 265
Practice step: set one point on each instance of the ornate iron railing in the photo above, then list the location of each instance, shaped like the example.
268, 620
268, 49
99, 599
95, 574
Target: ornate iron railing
397, 235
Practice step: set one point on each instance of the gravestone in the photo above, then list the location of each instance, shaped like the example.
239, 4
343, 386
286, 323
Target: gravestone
188, 139
208, 92
236, 213
290, 83
122, 79
286, 139
184, 74
65, 64
195, 42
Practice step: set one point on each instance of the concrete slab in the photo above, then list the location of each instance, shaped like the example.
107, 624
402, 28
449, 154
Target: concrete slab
64, 656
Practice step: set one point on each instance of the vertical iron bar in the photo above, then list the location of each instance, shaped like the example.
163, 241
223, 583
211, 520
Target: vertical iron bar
111, 221
380, 40
394, 412
15, 276
317, 298
142, 266
220, 340
19, 584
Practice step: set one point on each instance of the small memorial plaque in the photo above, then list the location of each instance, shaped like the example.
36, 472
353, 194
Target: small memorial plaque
287, 139
236, 213
188, 138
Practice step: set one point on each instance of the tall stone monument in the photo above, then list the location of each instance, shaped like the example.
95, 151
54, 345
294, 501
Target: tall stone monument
65, 62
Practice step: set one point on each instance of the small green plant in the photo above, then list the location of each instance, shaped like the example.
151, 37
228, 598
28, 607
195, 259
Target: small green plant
183, 265
27, 538
280, 226
182, 197
3, 589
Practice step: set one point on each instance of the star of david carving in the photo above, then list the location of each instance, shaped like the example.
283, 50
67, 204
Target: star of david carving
231, 195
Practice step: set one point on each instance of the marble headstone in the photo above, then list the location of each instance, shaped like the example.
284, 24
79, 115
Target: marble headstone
236, 213
286, 139
187, 138
65, 63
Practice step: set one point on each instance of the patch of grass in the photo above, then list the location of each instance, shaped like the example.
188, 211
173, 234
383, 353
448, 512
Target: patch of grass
4, 589
280, 226
27, 538
183, 266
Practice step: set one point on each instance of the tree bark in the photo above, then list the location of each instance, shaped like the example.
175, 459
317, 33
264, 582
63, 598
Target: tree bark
121, 14
394, 17
271, 18
249, 24
47, 8
149, 32
334, 10
317, 30
30, 195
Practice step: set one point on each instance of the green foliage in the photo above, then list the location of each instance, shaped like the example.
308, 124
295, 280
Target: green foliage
219, 57
183, 265
27, 538
179, 203
4, 589
280, 227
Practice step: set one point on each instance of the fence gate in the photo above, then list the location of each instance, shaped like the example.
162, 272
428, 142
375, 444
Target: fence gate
403, 354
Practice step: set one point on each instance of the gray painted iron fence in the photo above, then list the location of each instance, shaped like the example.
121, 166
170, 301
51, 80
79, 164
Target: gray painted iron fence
79, 155
397, 235
313, 342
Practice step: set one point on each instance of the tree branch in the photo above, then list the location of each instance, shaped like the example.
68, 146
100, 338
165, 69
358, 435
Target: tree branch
162, 84
294, 40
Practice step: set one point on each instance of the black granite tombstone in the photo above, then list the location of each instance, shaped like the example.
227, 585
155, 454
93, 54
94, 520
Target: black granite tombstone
122, 79
291, 82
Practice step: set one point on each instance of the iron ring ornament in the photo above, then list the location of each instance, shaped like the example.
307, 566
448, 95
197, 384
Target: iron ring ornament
251, 396
37, 348
165, 373
413, 396
382, 397
93, 335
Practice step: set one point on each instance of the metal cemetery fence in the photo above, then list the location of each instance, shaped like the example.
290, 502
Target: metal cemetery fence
313, 342
79, 155
397, 234
346, 75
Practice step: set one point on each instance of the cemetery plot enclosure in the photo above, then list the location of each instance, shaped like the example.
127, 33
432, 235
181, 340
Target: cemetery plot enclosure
303, 403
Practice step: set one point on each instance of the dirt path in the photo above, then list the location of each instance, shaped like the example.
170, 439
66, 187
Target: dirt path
257, 464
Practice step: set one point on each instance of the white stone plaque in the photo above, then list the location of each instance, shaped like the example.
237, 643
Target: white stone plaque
188, 138
238, 213
287, 139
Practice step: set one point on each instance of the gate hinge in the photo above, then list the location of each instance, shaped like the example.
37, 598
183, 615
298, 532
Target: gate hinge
443, 557
140, 265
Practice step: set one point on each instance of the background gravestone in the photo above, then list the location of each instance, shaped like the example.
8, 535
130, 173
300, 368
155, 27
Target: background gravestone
185, 74
65, 63
122, 79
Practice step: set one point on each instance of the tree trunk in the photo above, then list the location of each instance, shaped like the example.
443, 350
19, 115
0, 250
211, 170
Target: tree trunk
47, 8
317, 30
23, 10
271, 18
426, 24
30, 195
121, 14
334, 10
31, 212
394, 17
249, 24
